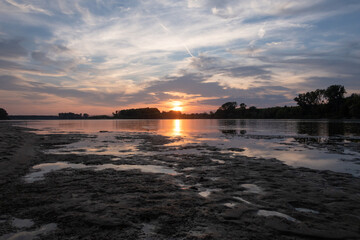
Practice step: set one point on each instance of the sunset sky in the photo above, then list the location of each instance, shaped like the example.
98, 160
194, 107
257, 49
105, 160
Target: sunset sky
101, 56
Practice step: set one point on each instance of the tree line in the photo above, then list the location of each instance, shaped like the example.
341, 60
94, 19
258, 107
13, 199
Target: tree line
71, 115
154, 113
145, 113
329, 103
321, 103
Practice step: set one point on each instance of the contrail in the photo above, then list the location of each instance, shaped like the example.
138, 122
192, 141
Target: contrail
187, 49
167, 30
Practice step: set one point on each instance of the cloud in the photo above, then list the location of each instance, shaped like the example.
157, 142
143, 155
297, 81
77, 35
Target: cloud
250, 51
352, 84
191, 88
271, 44
207, 63
251, 71
272, 100
11, 48
189, 83
335, 66
10, 83
259, 9
13, 83
61, 65
40, 56
11, 66
28, 7
217, 65
261, 32
195, 85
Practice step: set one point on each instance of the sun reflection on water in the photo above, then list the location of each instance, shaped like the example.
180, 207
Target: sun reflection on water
177, 127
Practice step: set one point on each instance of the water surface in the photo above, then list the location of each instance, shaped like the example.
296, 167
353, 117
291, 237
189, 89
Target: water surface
317, 144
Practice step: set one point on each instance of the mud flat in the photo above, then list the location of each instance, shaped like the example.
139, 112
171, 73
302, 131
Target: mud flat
197, 194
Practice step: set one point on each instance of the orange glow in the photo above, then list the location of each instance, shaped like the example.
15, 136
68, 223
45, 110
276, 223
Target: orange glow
177, 106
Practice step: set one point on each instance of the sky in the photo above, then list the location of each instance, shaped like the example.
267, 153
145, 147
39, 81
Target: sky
99, 56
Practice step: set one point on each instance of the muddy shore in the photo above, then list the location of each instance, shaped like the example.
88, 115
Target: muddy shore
208, 195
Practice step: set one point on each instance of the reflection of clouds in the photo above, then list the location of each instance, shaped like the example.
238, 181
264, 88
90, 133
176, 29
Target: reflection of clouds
276, 139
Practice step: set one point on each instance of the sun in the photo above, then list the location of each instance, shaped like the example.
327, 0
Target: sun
177, 106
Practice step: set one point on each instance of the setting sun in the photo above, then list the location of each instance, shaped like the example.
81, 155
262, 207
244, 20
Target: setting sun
177, 106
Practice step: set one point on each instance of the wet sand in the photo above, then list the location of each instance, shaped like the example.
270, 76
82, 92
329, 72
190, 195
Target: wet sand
212, 195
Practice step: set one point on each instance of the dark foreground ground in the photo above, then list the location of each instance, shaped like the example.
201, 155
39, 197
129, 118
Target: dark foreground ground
214, 196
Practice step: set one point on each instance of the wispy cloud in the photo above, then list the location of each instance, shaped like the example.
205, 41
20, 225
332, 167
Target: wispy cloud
27, 8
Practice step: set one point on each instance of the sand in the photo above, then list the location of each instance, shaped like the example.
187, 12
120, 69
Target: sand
208, 196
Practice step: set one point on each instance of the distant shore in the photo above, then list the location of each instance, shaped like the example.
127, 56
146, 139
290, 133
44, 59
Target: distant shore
53, 117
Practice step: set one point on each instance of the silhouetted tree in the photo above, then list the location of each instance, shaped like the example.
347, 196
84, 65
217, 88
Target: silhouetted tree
242, 106
308, 99
227, 110
323, 103
3, 114
229, 106
335, 94
335, 97
353, 106
138, 113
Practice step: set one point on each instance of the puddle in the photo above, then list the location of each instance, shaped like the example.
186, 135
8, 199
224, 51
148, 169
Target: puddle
183, 142
305, 210
182, 185
218, 161
22, 223
252, 188
143, 168
104, 143
48, 167
266, 213
229, 205
45, 168
207, 192
29, 235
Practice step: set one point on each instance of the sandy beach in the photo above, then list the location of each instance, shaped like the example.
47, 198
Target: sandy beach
213, 195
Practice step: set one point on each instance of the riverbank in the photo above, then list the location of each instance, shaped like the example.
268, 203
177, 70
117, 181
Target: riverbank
207, 195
